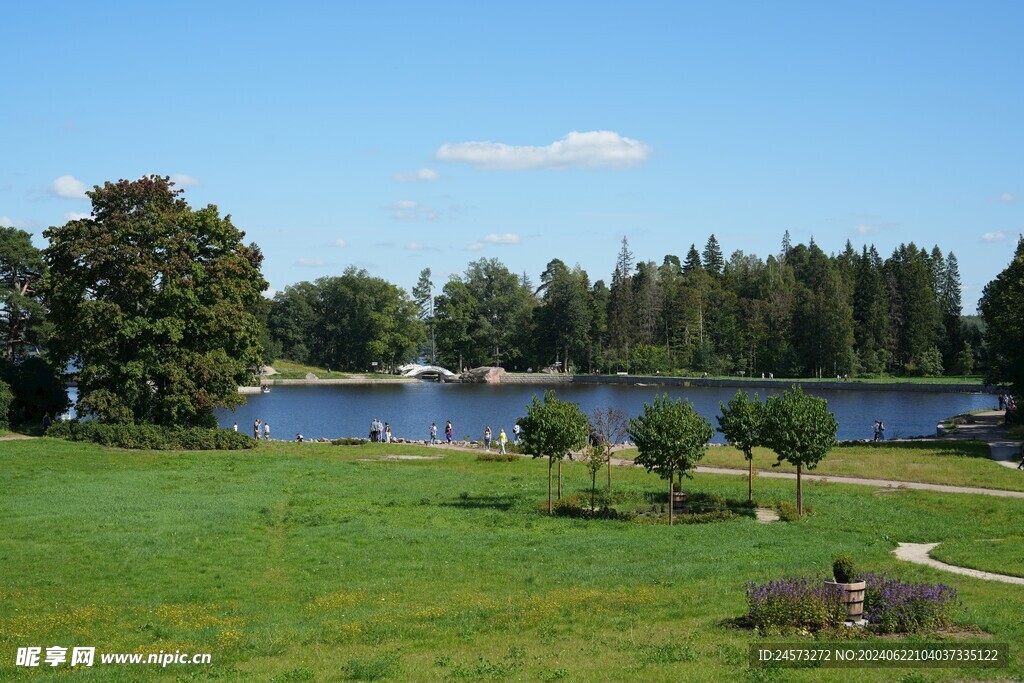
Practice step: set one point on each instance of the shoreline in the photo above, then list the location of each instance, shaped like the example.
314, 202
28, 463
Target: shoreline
657, 380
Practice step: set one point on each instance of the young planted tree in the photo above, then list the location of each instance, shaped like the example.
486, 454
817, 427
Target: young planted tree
741, 422
671, 438
610, 426
801, 431
594, 457
552, 428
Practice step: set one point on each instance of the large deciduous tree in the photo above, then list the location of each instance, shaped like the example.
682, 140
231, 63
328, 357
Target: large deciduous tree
551, 429
1002, 307
801, 431
22, 316
156, 303
670, 438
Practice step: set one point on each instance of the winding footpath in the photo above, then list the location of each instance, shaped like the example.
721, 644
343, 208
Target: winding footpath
920, 553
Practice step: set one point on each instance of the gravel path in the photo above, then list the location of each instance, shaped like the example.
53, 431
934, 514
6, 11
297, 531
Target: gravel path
918, 553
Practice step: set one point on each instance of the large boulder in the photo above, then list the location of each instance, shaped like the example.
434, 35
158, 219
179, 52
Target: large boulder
483, 375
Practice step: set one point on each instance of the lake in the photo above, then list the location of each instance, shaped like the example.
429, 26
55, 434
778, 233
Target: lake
333, 411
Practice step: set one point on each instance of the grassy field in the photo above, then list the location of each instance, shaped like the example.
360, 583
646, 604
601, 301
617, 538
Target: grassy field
957, 463
316, 562
1001, 555
289, 370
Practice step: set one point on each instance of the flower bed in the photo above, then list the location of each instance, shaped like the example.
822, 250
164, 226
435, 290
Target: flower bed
890, 605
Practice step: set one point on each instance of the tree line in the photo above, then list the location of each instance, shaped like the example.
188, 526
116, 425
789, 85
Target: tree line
800, 313
156, 310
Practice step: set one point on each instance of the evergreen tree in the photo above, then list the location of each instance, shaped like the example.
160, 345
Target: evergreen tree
621, 304
423, 296
692, 263
713, 260
951, 310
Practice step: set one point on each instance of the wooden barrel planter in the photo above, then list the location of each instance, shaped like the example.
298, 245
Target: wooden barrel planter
853, 598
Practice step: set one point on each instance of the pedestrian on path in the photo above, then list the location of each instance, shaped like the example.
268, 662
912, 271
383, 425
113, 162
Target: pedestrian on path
433, 433
487, 438
449, 432
502, 440
266, 431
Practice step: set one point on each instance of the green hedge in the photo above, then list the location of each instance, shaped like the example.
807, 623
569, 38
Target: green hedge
151, 437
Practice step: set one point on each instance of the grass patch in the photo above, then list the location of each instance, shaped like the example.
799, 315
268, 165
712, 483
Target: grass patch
321, 562
999, 555
955, 463
287, 369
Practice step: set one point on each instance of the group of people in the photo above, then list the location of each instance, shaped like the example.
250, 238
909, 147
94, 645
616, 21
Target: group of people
380, 432
449, 435
879, 430
259, 427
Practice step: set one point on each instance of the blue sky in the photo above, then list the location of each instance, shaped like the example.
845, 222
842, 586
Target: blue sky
401, 135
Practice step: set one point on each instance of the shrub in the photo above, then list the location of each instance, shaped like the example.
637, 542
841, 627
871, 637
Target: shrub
788, 511
798, 603
843, 569
894, 606
348, 441
6, 398
150, 437
497, 457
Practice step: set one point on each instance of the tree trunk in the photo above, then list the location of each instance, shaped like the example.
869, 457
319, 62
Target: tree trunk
799, 493
559, 480
750, 479
609, 471
593, 488
551, 509
671, 500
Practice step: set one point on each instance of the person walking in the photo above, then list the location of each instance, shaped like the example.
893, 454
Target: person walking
266, 431
387, 432
487, 437
256, 429
236, 425
433, 433
449, 432
502, 440
515, 433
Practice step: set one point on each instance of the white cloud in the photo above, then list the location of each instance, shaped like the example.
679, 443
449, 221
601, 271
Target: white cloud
865, 229
997, 236
475, 246
68, 187
592, 149
423, 175
341, 243
270, 293
182, 180
310, 262
419, 246
409, 210
1006, 197
6, 222
503, 238
76, 215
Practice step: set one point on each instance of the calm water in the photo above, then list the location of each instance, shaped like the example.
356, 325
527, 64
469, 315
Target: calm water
346, 410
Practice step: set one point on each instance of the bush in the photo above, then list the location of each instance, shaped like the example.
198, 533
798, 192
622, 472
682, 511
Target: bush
348, 441
843, 569
799, 603
151, 437
497, 457
789, 513
6, 399
893, 606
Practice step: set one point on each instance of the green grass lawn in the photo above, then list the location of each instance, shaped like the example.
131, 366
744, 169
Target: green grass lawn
1001, 555
957, 463
286, 369
317, 562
